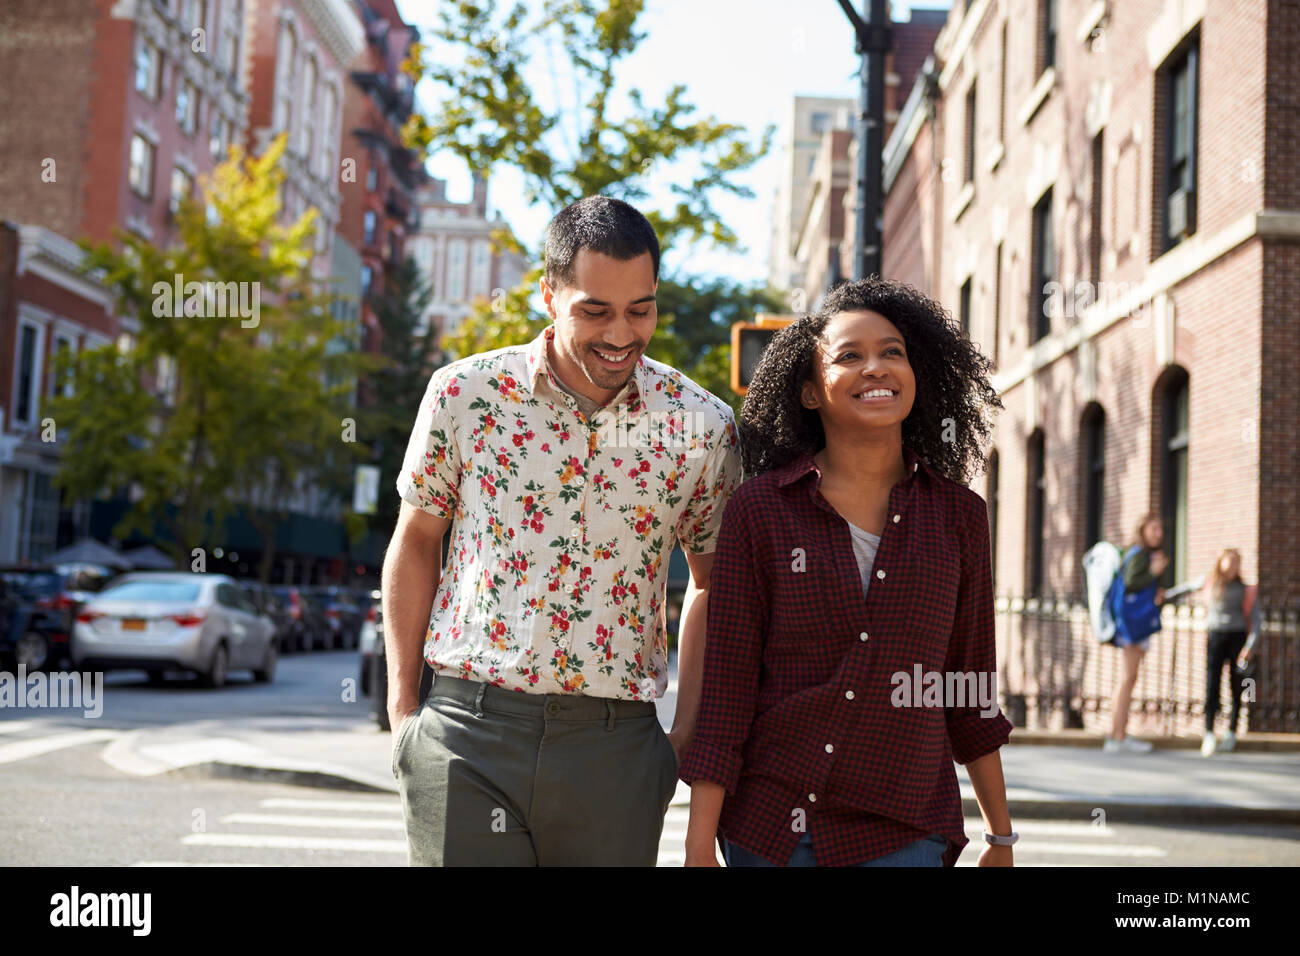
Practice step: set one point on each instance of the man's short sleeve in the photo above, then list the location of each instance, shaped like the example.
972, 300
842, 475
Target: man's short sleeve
430, 475
697, 528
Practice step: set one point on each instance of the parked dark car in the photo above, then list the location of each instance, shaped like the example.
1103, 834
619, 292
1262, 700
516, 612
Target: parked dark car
52, 596
269, 603
341, 612
309, 628
372, 634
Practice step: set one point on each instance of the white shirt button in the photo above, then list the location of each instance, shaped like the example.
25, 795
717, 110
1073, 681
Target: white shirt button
574, 532
862, 636
579, 481
897, 518
848, 694
830, 748
916, 466
880, 574
812, 798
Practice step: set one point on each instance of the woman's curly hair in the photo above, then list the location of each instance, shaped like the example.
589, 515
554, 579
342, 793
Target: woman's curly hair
951, 383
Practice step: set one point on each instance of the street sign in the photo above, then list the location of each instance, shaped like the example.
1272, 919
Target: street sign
365, 490
748, 340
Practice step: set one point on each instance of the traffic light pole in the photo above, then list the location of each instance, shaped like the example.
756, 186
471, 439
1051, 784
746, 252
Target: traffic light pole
874, 39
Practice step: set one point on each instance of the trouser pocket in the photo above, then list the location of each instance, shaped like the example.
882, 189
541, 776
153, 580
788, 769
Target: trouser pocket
403, 734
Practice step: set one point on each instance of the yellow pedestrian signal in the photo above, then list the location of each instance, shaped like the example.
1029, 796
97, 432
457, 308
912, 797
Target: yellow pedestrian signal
748, 340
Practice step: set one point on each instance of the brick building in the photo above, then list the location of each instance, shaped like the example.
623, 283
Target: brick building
453, 248
1105, 196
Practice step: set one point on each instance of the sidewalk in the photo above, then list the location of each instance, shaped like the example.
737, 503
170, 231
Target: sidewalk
1054, 775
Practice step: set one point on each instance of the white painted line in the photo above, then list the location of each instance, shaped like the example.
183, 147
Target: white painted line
294, 803
23, 749
272, 842
177, 863
1027, 827
334, 823
16, 726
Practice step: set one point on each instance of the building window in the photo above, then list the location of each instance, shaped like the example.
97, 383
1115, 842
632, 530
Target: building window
369, 225
1094, 473
148, 68
307, 118
140, 174
997, 302
965, 306
187, 107
1047, 28
1036, 485
1173, 477
27, 383
228, 46
365, 283
993, 493
61, 378
1180, 91
819, 122
182, 187
970, 135
196, 15
217, 127
372, 179
480, 269
328, 137
284, 62
456, 270
1094, 214
1042, 269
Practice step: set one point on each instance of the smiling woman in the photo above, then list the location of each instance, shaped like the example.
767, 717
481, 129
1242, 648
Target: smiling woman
852, 554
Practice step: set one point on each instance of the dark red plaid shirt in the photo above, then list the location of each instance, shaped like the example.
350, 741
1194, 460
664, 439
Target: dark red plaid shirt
796, 711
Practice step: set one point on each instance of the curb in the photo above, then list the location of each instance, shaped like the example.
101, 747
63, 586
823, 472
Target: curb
1255, 743
217, 769
1130, 812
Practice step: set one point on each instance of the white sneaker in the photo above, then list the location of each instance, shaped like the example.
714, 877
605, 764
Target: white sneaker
1229, 742
1111, 746
1208, 745
1133, 745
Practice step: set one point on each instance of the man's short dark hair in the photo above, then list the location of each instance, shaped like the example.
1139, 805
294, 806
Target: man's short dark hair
601, 224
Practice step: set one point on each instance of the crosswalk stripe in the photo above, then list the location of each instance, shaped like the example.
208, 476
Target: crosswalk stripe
22, 749
16, 726
1082, 849
297, 820
294, 803
274, 842
179, 863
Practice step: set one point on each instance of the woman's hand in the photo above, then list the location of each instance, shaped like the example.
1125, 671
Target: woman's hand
701, 853
1158, 563
995, 856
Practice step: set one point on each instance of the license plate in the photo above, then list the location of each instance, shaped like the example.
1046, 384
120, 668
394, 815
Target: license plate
133, 624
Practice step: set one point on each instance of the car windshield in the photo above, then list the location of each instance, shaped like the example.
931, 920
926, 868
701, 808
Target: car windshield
172, 591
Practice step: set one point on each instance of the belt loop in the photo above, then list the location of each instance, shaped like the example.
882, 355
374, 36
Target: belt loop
609, 708
478, 700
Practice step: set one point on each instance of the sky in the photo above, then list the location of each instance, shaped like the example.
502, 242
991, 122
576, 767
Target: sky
742, 62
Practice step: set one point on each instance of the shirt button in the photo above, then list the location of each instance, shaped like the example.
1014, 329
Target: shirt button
897, 518
916, 466
579, 481
812, 798
848, 694
862, 636
574, 532
830, 748
880, 574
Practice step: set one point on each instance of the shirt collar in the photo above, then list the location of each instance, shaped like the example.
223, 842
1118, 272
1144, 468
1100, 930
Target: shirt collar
537, 366
803, 465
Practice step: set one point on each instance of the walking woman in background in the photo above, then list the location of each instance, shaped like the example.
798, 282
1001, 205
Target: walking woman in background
1232, 615
1136, 620
853, 568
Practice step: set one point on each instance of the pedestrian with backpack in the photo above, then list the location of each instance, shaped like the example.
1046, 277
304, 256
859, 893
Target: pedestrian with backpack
1232, 620
1135, 601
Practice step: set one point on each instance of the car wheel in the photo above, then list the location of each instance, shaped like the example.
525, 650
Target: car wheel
32, 651
365, 677
156, 676
379, 690
266, 673
216, 672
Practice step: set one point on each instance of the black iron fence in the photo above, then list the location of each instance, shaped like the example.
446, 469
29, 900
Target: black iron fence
1053, 673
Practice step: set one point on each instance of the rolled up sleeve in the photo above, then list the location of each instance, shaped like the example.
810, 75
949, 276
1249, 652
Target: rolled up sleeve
972, 647
733, 655
430, 475
697, 527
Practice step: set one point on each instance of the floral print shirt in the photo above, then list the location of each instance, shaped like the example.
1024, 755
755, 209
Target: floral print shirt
563, 525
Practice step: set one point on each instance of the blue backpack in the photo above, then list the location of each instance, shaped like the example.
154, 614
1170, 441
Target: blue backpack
1136, 615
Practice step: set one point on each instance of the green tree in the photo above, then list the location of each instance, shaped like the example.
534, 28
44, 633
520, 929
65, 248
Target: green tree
211, 408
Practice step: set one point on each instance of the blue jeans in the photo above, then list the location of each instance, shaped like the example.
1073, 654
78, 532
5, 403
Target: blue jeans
927, 851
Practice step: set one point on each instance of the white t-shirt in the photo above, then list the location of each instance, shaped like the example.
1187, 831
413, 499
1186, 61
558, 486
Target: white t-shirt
864, 549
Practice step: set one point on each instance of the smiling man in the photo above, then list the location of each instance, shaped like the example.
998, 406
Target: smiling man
539, 743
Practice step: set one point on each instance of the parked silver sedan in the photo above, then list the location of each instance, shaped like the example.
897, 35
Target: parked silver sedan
158, 621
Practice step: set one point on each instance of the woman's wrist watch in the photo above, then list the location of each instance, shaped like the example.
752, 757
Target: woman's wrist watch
993, 839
